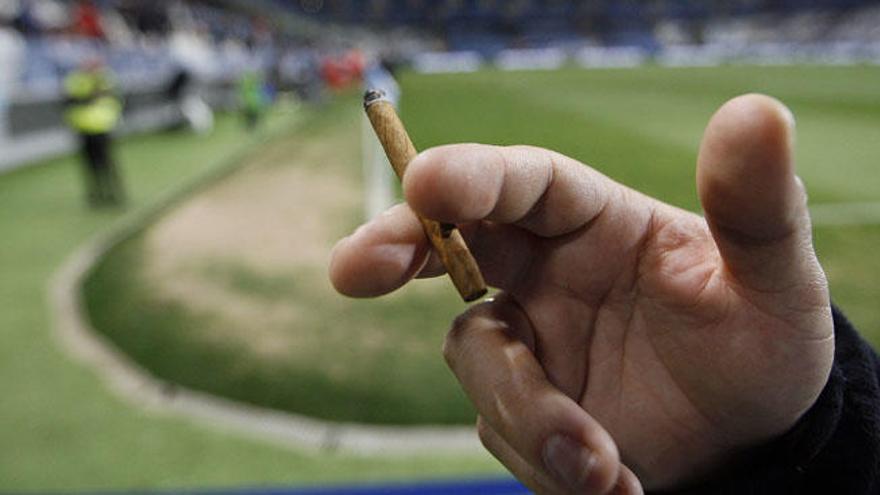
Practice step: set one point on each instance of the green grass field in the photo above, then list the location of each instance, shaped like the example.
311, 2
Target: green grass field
60, 429
348, 360
641, 127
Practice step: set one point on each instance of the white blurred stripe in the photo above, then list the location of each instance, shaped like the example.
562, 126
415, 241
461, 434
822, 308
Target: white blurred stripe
842, 214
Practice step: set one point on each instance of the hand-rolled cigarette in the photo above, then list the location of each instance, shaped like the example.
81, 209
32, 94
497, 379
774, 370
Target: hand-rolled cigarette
446, 239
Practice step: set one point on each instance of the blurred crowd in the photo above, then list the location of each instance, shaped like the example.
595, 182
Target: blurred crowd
309, 45
489, 26
175, 61
149, 43
105, 67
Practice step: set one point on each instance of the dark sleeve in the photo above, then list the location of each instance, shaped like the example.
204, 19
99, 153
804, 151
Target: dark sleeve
835, 447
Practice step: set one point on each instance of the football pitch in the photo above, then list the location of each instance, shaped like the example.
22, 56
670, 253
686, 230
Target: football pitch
61, 430
642, 127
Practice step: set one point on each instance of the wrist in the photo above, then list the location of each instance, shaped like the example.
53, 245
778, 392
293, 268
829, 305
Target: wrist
833, 448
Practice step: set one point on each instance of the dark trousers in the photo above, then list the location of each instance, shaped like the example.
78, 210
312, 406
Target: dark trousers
103, 184
251, 117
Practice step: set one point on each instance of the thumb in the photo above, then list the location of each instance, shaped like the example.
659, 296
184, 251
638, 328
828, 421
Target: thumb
755, 205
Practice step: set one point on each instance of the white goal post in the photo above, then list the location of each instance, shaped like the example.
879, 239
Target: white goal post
378, 175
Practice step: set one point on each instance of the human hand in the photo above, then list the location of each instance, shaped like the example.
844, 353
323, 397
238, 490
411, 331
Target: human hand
632, 343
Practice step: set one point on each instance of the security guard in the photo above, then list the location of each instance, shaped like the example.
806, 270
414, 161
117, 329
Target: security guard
253, 98
93, 111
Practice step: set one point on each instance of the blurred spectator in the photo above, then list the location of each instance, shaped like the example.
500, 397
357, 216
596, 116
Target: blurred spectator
26, 21
12, 49
93, 111
41, 17
11, 57
192, 110
148, 18
253, 96
87, 20
341, 71
299, 71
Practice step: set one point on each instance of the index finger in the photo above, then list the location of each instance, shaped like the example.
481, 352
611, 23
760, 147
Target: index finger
490, 351
540, 190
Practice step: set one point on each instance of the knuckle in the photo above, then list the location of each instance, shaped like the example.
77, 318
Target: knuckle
449, 351
484, 432
435, 159
464, 327
453, 341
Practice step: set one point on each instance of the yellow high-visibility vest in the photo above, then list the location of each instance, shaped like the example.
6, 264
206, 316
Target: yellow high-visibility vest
99, 111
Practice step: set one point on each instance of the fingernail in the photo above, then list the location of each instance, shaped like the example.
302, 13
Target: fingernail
570, 461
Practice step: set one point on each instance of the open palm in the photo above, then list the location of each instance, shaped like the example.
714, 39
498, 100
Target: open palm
632, 343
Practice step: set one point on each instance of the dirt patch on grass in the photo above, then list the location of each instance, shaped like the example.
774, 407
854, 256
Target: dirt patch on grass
240, 269
271, 219
277, 217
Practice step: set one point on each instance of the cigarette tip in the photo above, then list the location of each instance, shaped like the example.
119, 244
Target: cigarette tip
372, 96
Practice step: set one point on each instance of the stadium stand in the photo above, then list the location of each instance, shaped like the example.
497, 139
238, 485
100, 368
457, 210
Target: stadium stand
297, 43
301, 43
146, 45
135, 36
486, 25
606, 33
